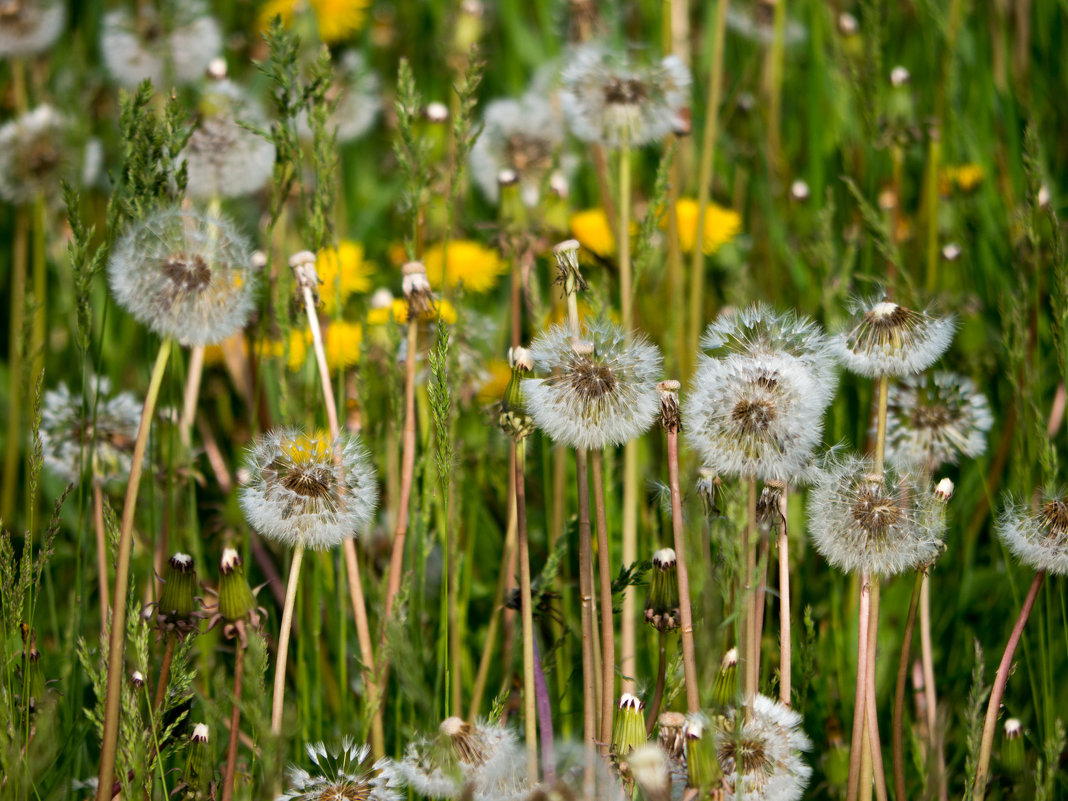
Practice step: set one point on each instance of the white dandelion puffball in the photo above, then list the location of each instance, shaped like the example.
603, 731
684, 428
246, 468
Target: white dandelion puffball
755, 416
106, 437
1038, 540
755, 22
600, 390
608, 101
342, 774
523, 135
34, 154
184, 274
29, 27
862, 521
888, 339
135, 46
357, 91
298, 494
932, 420
759, 749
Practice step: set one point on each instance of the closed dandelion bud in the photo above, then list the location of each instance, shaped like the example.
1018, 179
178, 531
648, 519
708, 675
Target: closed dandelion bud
702, 769
137, 679
899, 104
197, 778
1012, 747
176, 609
726, 685
669, 405
944, 490
662, 606
628, 730
513, 212
671, 733
237, 609
513, 418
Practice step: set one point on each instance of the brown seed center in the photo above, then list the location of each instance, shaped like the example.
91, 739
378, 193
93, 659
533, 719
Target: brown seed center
931, 417
189, 272
589, 379
527, 153
874, 511
625, 91
1055, 518
753, 416
309, 482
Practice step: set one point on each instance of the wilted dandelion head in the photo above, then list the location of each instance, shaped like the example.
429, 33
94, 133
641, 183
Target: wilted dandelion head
883, 524
523, 135
28, 27
298, 494
478, 761
106, 436
175, 46
34, 154
759, 749
342, 775
755, 416
223, 158
609, 101
601, 390
184, 274
356, 94
888, 339
936, 419
1038, 539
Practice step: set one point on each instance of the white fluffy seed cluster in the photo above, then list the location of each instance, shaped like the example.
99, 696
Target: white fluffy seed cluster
298, 495
135, 47
34, 153
106, 438
599, 392
1038, 540
523, 135
887, 339
357, 93
184, 274
30, 27
933, 420
342, 773
755, 23
609, 101
759, 749
885, 525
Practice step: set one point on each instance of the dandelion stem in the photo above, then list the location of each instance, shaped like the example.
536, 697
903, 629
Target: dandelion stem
629, 555
589, 681
749, 545
19, 253
164, 672
192, 391
883, 388
871, 709
661, 677
996, 693
785, 648
529, 701
937, 756
117, 640
857, 741
101, 552
897, 737
604, 569
235, 727
545, 719
283, 641
689, 656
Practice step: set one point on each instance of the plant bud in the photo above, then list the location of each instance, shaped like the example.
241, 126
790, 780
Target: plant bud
662, 606
513, 418
702, 768
725, 688
628, 732
197, 779
1012, 747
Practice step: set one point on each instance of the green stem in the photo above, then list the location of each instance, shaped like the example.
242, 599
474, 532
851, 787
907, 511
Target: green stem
897, 737
16, 349
689, 656
661, 676
527, 613
235, 726
752, 647
604, 569
858, 739
283, 642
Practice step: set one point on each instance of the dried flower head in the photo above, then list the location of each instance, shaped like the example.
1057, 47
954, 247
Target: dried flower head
609, 101
478, 761
28, 27
759, 749
671, 734
934, 420
883, 524
34, 154
298, 495
888, 339
105, 439
342, 775
1038, 539
175, 43
184, 274
601, 390
523, 136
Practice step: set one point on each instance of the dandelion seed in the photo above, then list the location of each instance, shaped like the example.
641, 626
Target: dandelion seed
883, 524
1039, 540
29, 27
888, 339
759, 749
607, 100
34, 154
648, 766
297, 495
184, 274
934, 420
344, 774
601, 391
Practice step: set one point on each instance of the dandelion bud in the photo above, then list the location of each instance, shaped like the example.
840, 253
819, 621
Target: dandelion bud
217, 69
628, 731
416, 290
951, 252
469, 26
725, 687
669, 405
303, 265
662, 607
671, 733
847, 24
258, 261
944, 490
566, 254
559, 185
648, 766
198, 775
1012, 748
177, 602
437, 113
513, 418
137, 679
237, 608
799, 190
507, 177
702, 769
1044, 196
381, 298
899, 76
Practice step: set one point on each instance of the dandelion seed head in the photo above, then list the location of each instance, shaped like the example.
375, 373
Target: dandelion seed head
342, 774
298, 495
888, 339
34, 154
28, 27
136, 46
184, 274
755, 22
1039, 540
480, 761
601, 390
759, 749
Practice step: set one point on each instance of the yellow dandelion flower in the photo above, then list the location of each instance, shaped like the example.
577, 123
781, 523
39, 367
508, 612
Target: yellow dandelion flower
469, 264
398, 313
593, 232
270, 349
721, 225
337, 19
213, 355
964, 177
343, 344
492, 389
397, 253
342, 273
298, 348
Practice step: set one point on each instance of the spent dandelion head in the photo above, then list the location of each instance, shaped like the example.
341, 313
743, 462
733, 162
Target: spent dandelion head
462, 759
29, 27
184, 274
599, 391
35, 153
417, 292
887, 339
884, 524
935, 419
297, 494
759, 748
650, 769
610, 101
342, 774
1038, 538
